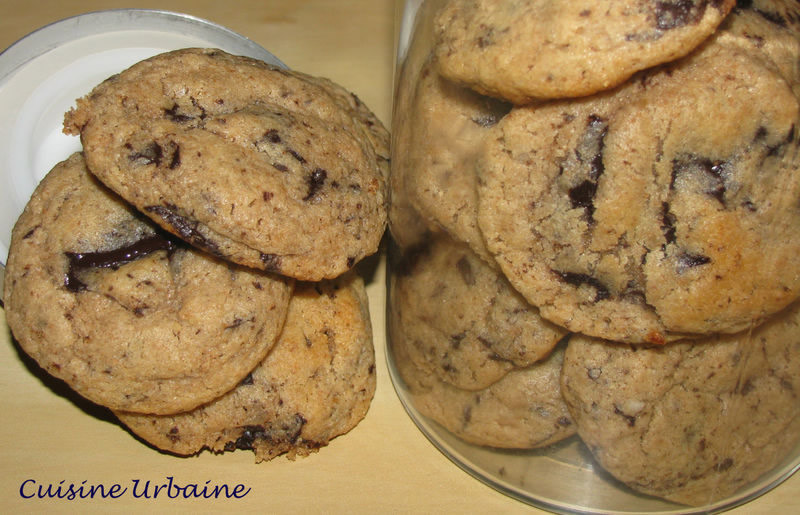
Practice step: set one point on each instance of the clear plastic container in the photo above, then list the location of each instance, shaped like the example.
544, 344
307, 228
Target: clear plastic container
511, 396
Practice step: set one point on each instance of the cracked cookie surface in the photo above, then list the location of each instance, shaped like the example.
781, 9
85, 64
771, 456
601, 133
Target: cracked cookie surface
665, 207
524, 50
316, 383
127, 317
269, 168
728, 403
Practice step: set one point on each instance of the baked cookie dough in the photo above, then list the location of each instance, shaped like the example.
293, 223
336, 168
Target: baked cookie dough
315, 384
524, 50
128, 318
693, 421
440, 141
665, 207
522, 410
471, 344
269, 168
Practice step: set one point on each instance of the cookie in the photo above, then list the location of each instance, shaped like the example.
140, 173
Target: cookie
666, 207
522, 410
127, 317
691, 422
255, 164
525, 50
467, 344
315, 384
406, 226
440, 140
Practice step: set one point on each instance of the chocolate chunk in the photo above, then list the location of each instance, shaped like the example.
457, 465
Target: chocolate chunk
772, 17
629, 419
184, 227
295, 155
589, 154
272, 262
578, 279
591, 150
154, 153
247, 381
80, 261
176, 158
150, 154
701, 173
249, 435
467, 415
178, 114
492, 111
724, 465
678, 13
288, 432
175, 115
778, 149
582, 196
173, 434
456, 339
686, 261
30, 232
667, 223
315, 182
272, 136
465, 270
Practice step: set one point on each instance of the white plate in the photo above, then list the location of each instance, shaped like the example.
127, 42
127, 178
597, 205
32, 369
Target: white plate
43, 74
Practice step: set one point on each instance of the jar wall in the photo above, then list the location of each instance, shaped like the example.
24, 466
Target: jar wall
539, 399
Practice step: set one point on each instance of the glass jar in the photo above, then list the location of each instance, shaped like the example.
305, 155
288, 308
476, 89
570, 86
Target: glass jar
536, 386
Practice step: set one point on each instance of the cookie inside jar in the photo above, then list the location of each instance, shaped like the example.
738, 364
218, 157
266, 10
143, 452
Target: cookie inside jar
651, 214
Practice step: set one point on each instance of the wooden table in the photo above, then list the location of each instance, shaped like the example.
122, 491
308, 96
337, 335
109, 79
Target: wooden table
384, 465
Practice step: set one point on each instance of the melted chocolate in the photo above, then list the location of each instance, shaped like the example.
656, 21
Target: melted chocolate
315, 182
578, 279
81, 261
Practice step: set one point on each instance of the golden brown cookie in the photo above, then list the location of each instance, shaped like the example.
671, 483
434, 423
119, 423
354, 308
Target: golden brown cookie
316, 383
266, 167
524, 50
467, 344
662, 208
693, 421
522, 410
130, 318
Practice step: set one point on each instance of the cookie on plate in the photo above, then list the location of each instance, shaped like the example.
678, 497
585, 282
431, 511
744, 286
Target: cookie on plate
127, 317
665, 207
315, 384
467, 344
524, 50
692, 421
269, 168
522, 410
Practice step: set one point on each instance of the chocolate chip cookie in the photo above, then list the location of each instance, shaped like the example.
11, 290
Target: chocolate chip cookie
315, 384
665, 207
266, 167
524, 50
127, 316
467, 344
693, 421
446, 126
522, 410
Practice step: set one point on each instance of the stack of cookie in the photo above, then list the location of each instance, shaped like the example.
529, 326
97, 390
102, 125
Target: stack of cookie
192, 269
602, 197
